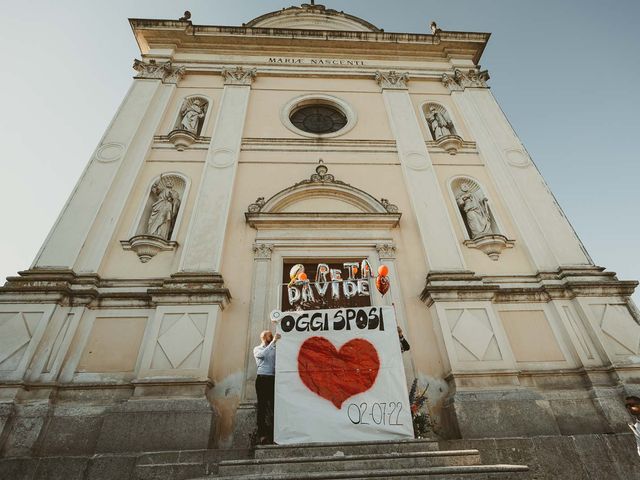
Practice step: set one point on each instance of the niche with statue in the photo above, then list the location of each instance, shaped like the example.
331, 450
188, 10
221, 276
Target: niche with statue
443, 131
157, 223
189, 122
480, 226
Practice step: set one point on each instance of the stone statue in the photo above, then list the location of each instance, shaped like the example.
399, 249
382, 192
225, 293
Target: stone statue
439, 123
164, 209
476, 211
191, 113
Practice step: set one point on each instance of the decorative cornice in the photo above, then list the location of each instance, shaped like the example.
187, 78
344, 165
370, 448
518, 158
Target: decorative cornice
67, 288
262, 251
158, 71
565, 283
238, 76
473, 78
392, 80
192, 288
386, 251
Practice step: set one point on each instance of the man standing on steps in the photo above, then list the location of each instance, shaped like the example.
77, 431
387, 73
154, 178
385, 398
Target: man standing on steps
265, 355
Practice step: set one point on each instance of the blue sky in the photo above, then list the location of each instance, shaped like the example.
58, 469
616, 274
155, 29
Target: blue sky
564, 71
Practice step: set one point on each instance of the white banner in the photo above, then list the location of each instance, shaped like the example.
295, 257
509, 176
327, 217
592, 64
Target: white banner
340, 377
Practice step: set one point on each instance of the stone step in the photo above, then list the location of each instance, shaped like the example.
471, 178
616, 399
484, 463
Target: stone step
475, 472
184, 464
348, 448
341, 463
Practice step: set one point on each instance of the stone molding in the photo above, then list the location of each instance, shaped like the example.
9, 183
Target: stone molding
65, 287
565, 283
192, 288
459, 80
492, 245
148, 246
239, 76
392, 80
165, 72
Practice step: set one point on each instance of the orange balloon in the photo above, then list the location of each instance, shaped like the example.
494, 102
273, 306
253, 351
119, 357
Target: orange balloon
302, 276
382, 284
383, 270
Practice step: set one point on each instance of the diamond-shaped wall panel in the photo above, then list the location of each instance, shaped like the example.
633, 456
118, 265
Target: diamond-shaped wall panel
472, 334
14, 335
180, 340
618, 324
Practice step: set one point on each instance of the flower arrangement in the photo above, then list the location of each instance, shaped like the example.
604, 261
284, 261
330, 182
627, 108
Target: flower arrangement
422, 423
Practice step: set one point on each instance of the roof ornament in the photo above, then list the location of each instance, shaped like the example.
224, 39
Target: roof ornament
186, 17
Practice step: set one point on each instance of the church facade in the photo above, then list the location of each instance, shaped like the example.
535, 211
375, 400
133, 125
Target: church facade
306, 136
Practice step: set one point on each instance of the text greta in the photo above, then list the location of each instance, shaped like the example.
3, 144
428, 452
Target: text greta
369, 318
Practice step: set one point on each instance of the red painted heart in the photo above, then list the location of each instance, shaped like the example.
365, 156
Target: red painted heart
338, 374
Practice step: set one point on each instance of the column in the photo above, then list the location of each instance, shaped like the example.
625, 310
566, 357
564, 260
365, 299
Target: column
438, 237
545, 230
205, 240
115, 162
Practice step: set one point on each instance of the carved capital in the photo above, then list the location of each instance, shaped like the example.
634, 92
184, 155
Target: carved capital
474, 78
392, 79
262, 251
165, 72
386, 251
238, 76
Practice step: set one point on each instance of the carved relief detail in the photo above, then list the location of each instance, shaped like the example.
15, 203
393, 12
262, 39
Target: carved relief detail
389, 207
262, 251
160, 71
386, 251
392, 79
238, 75
460, 80
256, 206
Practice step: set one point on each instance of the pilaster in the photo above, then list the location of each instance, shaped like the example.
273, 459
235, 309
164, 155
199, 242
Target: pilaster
547, 233
438, 238
259, 315
387, 256
205, 240
76, 241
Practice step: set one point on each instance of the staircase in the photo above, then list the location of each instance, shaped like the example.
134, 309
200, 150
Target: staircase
413, 459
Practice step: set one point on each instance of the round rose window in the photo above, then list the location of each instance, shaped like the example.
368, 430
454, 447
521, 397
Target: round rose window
318, 119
